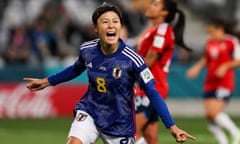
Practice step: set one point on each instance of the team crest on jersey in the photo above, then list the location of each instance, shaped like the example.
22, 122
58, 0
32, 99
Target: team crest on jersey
81, 116
117, 72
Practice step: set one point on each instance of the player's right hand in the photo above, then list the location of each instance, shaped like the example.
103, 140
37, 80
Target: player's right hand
36, 84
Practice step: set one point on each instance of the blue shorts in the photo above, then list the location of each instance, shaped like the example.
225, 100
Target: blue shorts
219, 93
142, 105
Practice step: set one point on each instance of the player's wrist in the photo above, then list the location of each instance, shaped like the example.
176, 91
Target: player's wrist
173, 128
46, 82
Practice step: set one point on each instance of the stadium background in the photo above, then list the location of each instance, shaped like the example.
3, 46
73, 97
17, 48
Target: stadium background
40, 37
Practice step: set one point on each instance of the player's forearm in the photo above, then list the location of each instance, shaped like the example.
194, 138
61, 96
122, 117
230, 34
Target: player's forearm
160, 106
151, 58
162, 109
201, 63
232, 64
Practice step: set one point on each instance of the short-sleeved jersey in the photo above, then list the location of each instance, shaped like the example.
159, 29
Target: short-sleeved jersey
161, 40
109, 98
217, 53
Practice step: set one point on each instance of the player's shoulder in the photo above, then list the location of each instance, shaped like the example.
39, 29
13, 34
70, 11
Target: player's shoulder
131, 54
163, 29
232, 41
231, 38
209, 41
92, 44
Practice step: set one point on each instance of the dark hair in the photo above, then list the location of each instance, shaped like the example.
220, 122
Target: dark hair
179, 25
105, 7
227, 25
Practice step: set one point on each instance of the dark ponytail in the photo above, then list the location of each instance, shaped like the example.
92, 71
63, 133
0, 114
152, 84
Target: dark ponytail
179, 25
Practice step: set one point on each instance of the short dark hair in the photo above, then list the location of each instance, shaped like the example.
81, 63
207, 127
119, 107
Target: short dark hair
105, 7
217, 22
229, 26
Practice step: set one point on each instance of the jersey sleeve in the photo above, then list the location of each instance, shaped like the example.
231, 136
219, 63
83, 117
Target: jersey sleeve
236, 49
146, 81
160, 38
68, 73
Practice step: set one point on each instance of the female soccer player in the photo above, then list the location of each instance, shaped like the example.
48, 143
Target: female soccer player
222, 54
106, 109
156, 46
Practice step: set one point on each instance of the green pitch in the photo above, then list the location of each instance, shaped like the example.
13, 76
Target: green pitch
54, 131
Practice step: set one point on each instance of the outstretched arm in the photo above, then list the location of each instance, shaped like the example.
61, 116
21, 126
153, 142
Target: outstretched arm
65, 75
147, 83
161, 107
196, 68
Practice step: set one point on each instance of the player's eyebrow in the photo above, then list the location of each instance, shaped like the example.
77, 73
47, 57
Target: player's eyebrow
113, 18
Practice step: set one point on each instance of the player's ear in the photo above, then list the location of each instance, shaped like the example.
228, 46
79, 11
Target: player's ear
95, 28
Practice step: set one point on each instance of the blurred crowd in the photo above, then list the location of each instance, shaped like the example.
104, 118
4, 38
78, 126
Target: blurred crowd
49, 32
225, 9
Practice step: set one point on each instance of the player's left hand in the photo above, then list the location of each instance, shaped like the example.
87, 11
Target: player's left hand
221, 70
180, 135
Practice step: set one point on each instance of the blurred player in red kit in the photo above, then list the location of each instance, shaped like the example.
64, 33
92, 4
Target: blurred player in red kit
156, 45
222, 55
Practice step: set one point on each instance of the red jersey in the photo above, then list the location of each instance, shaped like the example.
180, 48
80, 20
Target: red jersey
161, 40
218, 53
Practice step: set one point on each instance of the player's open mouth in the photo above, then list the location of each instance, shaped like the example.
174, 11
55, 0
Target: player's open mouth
111, 34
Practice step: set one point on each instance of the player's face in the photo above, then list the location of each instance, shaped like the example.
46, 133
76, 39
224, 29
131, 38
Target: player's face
155, 10
215, 32
108, 27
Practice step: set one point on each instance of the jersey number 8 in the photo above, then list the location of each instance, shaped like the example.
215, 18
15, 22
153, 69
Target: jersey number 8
101, 85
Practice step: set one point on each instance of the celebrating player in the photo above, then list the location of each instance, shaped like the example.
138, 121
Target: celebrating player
106, 109
156, 46
221, 56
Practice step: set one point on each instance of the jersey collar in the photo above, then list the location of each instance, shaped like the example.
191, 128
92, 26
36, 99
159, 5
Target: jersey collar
120, 48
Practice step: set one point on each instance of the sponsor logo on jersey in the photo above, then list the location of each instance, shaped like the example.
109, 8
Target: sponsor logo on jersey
117, 72
103, 68
146, 75
213, 52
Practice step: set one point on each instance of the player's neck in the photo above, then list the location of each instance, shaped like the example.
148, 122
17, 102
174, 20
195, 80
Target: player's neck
108, 49
158, 21
219, 36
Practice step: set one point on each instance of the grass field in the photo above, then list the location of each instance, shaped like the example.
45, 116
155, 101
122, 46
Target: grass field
54, 131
